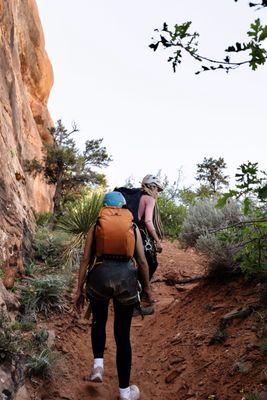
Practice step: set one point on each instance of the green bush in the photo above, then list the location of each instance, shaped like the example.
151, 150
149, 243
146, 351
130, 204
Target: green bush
10, 341
43, 294
42, 218
172, 216
49, 246
41, 363
204, 218
219, 252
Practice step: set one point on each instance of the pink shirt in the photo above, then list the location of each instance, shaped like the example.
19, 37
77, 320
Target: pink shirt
145, 211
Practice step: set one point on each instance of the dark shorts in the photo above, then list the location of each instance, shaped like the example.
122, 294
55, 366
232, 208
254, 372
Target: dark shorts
114, 279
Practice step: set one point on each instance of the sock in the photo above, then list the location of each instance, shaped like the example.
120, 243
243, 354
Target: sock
98, 362
125, 393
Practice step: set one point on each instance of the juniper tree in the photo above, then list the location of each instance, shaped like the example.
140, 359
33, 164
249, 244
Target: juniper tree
65, 167
211, 173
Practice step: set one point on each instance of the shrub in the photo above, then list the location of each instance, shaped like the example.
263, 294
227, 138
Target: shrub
31, 268
204, 218
220, 254
49, 246
41, 363
40, 337
172, 216
42, 219
10, 341
42, 294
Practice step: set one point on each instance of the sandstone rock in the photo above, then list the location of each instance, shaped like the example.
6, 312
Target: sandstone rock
25, 81
180, 288
176, 360
6, 384
51, 338
170, 378
8, 301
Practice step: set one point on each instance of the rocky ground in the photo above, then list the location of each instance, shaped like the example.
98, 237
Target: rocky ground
175, 351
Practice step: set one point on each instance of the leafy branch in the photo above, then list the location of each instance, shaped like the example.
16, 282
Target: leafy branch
182, 41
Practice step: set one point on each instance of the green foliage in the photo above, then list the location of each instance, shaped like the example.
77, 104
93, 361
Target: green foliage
251, 252
219, 252
43, 294
203, 218
49, 246
82, 214
43, 218
68, 169
211, 173
31, 268
181, 41
172, 216
187, 196
41, 363
252, 396
263, 348
24, 324
40, 337
10, 341
78, 219
250, 237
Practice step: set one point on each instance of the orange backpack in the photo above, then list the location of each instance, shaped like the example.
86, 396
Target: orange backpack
114, 233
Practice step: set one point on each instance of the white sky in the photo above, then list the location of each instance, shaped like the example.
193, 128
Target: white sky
115, 87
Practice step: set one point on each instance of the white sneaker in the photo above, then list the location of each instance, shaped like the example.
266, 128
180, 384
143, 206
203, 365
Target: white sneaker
134, 393
97, 374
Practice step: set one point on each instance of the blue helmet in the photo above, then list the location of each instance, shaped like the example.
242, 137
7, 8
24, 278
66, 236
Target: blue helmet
114, 199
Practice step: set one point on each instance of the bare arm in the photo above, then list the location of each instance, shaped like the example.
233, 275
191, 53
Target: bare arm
142, 263
149, 210
79, 297
85, 259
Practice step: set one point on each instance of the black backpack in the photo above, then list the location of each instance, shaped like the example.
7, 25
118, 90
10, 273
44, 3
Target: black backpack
132, 197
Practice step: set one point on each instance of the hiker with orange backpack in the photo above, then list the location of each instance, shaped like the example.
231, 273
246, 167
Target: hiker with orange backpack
114, 243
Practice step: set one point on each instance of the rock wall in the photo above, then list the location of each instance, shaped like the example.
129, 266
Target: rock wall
26, 78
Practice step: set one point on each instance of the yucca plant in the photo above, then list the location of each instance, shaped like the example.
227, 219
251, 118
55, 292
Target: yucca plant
43, 294
252, 396
77, 221
41, 364
10, 341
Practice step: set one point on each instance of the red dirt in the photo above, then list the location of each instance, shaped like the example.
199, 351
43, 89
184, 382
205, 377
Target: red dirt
172, 358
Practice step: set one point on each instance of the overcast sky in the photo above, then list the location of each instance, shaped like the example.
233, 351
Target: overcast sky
110, 82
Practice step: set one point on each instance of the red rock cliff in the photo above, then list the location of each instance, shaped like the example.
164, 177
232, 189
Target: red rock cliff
26, 78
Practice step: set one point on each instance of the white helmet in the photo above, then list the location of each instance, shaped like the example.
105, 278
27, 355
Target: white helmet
152, 180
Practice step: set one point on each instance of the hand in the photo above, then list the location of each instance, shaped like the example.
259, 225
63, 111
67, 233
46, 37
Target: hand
79, 300
148, 295
158, 247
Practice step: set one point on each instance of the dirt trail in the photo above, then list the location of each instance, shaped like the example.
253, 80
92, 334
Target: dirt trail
172, 358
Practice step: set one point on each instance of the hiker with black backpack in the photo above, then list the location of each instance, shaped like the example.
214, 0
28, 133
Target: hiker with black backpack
142, 202
111, 247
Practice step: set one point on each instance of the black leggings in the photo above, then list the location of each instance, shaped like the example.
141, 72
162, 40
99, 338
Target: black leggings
122, 325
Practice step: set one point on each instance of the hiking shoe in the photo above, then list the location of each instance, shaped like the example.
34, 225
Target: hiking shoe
149, 310
97, 374
134, 393
136, 312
